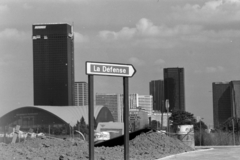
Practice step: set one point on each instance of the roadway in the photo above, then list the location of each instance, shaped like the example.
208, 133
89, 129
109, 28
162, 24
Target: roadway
209, 153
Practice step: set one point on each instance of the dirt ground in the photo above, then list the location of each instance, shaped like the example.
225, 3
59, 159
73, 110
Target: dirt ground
147, 146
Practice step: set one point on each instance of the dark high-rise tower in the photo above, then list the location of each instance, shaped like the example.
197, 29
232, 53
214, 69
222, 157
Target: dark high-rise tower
235, 97
53, 64
156, 89
174, 89
226, 101
221, 102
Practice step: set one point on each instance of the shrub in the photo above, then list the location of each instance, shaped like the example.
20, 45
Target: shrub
215, 139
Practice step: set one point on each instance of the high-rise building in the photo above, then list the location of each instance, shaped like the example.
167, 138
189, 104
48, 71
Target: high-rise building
114, 102
226, 101
53, 64
221, 102
81, 93
174, 89
235, 94
156, 89
145, 102
139, 102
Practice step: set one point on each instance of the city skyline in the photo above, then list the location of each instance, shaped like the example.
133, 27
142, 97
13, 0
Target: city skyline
200, 36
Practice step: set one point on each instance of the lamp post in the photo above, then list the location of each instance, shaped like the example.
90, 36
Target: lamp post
167, 107
233, 131
200, 121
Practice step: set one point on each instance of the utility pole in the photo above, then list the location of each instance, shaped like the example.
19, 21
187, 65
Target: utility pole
167, 107
233, 131
200, 131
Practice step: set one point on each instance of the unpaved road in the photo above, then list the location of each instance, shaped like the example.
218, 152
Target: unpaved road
216, 153
147, 146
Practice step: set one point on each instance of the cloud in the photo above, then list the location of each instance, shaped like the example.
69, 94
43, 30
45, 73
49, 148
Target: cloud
211, 11
12, 34
215, 69
27, 6
159, 62
135, 61
6, 59
3, 8
146, 28
79, 38
211, 70
212, 36
146, 34
125, 33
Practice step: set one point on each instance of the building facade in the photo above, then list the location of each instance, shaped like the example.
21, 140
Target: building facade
53, 64
139, 102
81, 93
145, 102
156, 89
174, 88
221, 102
226, 101
235, 97
114, 102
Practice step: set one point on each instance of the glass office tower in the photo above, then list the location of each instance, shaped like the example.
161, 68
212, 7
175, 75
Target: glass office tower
174, 89
53, 64
156, 89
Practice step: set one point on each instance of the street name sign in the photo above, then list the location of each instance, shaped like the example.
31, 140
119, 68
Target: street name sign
110, 69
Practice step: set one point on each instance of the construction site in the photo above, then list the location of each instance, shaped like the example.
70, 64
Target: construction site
145, 144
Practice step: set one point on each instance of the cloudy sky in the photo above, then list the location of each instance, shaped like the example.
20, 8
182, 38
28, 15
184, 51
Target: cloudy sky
202, 36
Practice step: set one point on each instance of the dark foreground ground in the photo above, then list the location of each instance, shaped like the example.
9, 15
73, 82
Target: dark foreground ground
147, 146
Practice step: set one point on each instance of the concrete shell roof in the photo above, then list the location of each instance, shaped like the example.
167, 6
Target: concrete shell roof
71, 114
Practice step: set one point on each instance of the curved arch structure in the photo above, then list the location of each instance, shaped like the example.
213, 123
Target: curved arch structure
54, 115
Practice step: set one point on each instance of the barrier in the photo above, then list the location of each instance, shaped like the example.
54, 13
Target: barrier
186, 134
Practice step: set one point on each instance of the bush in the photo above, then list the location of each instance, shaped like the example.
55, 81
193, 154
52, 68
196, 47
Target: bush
215, 139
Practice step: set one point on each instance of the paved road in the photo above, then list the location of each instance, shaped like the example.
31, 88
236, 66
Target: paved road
216, 153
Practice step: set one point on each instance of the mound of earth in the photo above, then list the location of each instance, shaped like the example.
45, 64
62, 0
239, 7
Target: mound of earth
147, 146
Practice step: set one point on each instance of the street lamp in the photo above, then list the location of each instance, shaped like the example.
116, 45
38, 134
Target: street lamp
167, 107
200, 121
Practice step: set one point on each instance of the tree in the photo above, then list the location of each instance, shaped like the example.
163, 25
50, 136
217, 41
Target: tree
198, 124
95, 123
155, 124
83, 126
182, 118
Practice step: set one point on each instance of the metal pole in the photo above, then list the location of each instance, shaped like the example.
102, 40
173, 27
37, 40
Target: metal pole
200, 132
162, 115
4, 130
126, 118
167, 107
167, 122
233, 132
90, 117
237, 130
69, 131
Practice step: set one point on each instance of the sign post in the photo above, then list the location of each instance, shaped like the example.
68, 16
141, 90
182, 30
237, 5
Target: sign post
109, 69
91, 117
167, 107
126, 118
